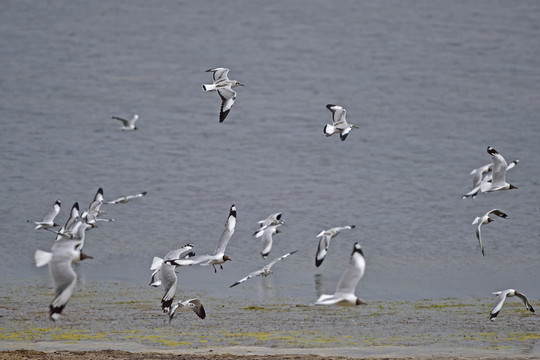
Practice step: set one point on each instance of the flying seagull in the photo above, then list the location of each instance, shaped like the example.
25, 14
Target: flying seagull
164, 273
62, 255
498, 181
265, 271
128, 124
339, 125
354, 271
485, 219
224, 88
501, 297
324, 243
48, 220
219, 256
267, 239
193, 304
125, 199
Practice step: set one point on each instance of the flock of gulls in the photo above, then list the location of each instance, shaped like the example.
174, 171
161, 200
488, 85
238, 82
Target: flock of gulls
488, 178
69, 238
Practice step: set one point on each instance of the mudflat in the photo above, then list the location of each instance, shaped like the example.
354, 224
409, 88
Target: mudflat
113, 320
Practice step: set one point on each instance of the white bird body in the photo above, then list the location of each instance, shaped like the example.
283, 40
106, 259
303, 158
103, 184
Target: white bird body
224, 88
339, 123
354, 271
485, 219
501, 297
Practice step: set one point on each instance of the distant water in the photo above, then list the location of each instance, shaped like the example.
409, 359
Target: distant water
430, 84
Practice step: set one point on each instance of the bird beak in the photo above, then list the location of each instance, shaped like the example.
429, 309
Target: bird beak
84, 256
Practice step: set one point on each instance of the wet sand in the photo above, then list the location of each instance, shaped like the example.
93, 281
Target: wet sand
125, 321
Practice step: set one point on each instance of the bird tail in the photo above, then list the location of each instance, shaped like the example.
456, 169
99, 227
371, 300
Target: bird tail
42, 257
207, 87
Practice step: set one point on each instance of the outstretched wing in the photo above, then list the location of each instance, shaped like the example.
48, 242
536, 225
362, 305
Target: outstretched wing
219, 74
253, 274
228, 96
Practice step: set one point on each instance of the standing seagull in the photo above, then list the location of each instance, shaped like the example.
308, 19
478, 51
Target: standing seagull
267, 238
498, 180
62, 255
193, 304
265, 271
324, 243
224, 88
485, 219
125, 199
128, 125
502, 295
340, 124
48, 220
354, 271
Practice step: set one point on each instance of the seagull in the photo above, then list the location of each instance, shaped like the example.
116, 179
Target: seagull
485, 219
224, 88
126, 199
219, 256
274, 219
128, 124
502, 295
265, 271
157, 263
354, 271
482, 183
193, 304
324, 243
48, 220
62, 255
267, 238
164, 273
339, 125
498, 181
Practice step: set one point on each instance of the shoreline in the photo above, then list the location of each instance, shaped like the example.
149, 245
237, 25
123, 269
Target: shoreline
101, 319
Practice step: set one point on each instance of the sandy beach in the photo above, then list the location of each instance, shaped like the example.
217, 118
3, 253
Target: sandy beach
110, 320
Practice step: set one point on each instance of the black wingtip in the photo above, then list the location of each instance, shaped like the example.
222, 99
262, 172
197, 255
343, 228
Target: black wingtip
54, 312
330, 106
236, 283
491, 151
201, 313
318, 262
223, 115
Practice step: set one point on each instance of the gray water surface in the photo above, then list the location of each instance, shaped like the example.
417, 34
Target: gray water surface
430, 84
